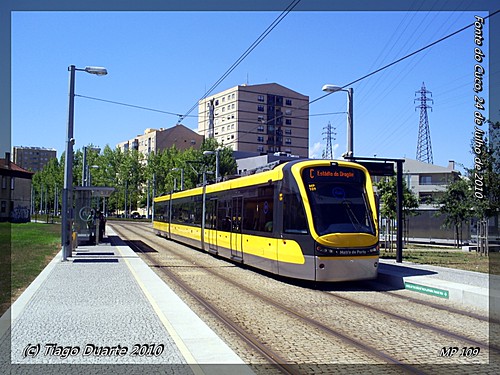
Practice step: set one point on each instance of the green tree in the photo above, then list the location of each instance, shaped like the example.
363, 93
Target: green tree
227, 164
48, 183
108, 175
456, 205
132, 177
387, 192
485, 184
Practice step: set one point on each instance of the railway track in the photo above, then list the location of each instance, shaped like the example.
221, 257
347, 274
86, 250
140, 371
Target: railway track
317, 327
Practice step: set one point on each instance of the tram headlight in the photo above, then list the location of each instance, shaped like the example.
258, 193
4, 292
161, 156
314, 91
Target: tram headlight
324, 250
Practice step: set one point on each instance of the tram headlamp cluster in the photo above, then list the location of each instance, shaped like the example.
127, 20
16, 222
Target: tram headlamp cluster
325, 250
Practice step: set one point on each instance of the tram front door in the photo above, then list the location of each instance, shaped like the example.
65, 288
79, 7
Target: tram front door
211, 224
236, 222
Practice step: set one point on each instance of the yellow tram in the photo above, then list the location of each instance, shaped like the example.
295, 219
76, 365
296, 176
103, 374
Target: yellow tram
305, 219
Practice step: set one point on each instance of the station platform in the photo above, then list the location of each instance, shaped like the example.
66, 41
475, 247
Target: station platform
468, 288
104, 306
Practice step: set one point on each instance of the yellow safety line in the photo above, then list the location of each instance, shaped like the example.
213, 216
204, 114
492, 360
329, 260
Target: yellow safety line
188, 356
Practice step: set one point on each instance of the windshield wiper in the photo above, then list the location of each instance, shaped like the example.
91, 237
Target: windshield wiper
351, 214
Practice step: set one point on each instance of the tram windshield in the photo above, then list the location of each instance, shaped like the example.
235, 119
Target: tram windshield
338, 200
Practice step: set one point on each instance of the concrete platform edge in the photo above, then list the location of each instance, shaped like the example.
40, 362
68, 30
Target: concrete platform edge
460, 293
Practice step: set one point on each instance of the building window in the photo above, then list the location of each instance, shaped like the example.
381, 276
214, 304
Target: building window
426, 198
260, 108
288, 112
288, 102
260, 139
3, 207
260, 128
12, 183
288, 131
260, 148
4, 182
288, 121
260, 98
288, 141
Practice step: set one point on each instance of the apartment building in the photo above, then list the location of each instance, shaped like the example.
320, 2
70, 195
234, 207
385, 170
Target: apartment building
428, 182
154, 140
265, 118
33, 158
15, 191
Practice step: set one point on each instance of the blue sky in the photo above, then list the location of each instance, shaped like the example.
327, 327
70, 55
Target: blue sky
166, 61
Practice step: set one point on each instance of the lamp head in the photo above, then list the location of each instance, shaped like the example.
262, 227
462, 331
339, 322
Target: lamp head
331, 88
97, 70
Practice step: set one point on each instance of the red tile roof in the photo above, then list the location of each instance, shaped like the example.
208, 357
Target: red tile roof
12, 166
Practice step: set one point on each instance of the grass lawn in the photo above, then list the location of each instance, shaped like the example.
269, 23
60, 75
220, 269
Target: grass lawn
32, 246
444, 257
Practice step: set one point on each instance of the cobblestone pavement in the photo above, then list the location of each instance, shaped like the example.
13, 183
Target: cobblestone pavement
409, 343
111, 313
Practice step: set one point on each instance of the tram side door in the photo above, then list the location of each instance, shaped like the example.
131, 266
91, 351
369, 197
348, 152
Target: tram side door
236, 223
211, 224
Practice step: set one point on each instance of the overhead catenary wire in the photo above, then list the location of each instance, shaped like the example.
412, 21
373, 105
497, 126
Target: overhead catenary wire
403, 58
130, 105
397, 61
272, 26
261, 37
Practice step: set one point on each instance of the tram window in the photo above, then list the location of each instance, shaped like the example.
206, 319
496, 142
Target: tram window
210, 217
224, 215
161, 213
258, 210
186, 212
294, 218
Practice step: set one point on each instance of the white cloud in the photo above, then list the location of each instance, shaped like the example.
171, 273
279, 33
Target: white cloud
315, 151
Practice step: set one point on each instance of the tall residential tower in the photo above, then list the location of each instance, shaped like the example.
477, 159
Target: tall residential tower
265, 118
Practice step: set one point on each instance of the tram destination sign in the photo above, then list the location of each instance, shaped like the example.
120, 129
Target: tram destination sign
332, 173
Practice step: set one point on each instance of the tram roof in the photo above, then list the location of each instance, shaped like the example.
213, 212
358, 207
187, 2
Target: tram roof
269, 176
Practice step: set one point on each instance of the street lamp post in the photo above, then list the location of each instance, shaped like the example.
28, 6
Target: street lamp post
182, 176
67, 193
89, 175
350, 119
216, 152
